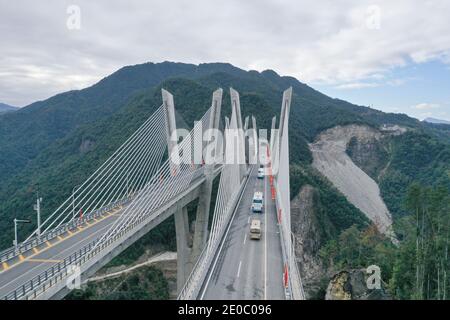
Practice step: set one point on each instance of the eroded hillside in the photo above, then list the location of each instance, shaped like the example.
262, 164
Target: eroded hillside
331, 159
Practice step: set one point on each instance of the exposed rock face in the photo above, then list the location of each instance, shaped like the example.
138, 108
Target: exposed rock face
304, 226
339, 287
351, 285
331, 159
369, 155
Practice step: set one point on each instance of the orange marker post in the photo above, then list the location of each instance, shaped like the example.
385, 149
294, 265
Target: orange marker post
286, 276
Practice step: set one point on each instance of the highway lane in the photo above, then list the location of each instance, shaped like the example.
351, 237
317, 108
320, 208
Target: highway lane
34, 264
249, 269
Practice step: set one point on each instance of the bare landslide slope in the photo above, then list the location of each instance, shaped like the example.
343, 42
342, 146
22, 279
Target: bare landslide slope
331, 159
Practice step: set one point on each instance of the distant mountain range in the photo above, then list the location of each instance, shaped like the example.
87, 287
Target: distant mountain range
43, 145
53, 145
436, 121
6, 108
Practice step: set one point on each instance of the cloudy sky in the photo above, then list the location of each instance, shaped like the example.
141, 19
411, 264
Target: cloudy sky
392, 55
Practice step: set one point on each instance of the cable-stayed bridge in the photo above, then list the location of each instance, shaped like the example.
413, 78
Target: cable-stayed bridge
156, 174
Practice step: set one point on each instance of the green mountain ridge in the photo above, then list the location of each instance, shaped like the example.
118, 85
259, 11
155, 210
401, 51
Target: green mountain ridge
24, 134
7, 108
53, 145
42, 144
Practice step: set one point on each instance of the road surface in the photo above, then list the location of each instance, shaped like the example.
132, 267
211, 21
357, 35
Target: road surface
248, 269
35, 262
14, 274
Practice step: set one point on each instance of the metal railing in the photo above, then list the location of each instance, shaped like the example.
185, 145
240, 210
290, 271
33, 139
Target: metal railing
194, 282
295, 286
24, 247
31, 289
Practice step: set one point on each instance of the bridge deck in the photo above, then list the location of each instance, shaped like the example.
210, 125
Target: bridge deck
35, 263
244, 268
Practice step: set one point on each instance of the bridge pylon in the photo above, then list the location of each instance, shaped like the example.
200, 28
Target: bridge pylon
187, 254
236, 107
181, 214
204, 202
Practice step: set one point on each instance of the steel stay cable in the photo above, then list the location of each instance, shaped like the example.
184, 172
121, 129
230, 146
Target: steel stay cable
112, 160
110, 175
106, 163
133, 205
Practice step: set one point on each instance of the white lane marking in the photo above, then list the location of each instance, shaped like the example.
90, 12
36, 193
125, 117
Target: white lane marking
225, 236
245, 238
239, 269
265, 240
248, 221
56, 255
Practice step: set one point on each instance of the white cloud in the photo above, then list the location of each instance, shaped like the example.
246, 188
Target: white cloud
363, 85
430, 110
426, 106
357, 85
317, 42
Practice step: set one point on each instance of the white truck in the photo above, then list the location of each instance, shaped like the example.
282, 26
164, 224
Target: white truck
255, 229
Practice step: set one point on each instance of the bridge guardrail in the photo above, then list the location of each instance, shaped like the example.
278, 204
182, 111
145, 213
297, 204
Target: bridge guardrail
192, 286
187, 291
296, 283
12, 252
55, 274
295, 286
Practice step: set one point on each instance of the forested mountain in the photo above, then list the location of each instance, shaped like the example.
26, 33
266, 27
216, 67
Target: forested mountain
436, 121
24, 134
55, 144
6, 108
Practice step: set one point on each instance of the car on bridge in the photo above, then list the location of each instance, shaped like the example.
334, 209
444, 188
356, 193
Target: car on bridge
257, 203
255, 229
261, 173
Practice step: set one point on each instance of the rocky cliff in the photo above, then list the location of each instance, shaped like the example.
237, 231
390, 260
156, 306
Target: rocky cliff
351, 285
305, 227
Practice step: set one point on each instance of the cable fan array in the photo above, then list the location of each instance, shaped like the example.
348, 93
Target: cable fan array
132, 176
124, 174
169, 180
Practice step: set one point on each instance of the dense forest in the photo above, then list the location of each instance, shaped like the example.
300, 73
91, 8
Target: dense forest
416, 269
414, 157
41, 151
147, 283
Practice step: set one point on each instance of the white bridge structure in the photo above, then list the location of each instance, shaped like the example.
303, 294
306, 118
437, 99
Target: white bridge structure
156, 174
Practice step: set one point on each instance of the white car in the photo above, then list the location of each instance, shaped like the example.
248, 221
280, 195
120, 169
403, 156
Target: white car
258, 203
261, 173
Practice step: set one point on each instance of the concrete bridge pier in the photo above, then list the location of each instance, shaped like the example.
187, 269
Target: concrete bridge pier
204, 202
184, 265
186, 255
